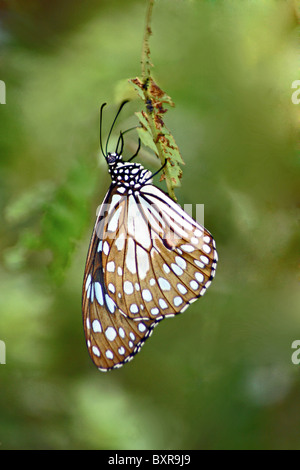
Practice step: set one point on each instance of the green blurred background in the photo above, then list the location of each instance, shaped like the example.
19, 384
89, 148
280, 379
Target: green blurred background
221, 375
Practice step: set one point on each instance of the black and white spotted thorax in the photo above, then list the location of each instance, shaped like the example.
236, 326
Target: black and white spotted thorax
127, 174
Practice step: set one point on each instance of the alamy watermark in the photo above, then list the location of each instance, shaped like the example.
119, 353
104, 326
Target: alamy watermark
296, 95
173, 222
2, 92
2, 352
296, 354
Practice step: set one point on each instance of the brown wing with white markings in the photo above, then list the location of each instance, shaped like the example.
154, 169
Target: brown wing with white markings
159, 259
148, 260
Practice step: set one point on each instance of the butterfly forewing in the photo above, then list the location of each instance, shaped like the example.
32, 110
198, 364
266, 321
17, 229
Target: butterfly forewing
112, 338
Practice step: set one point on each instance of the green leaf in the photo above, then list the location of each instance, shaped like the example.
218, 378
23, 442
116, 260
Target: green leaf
138, 86
146, 138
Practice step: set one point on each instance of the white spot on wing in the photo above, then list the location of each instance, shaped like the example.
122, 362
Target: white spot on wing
146, 294
121, 189
96, 325
199, 277
141, 327
142, 262
110, 266
162, 303
182, 289
96, 351
180, 261
111, 288
106, 248
130, 256
177, 270
134, 308
205, 259
110, 303
154, 311
121, 332
120, 271
198, 233
199, 264
88, 282
166, 268
177, 301
194, 285
114, 221
109, 354
120, 241
164, 284
99, 293
128, 287
110, 333
188, 248
206, 249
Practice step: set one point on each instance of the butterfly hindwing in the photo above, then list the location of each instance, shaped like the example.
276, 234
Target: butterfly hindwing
113, 339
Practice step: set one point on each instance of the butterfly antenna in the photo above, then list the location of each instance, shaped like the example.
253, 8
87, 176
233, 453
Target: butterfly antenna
156, 173
121, 139
138, 149
112, 126
101, 113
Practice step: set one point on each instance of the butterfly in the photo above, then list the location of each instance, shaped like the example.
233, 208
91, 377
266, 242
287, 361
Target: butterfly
147, 260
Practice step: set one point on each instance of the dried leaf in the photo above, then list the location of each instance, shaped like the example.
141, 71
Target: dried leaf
154, 133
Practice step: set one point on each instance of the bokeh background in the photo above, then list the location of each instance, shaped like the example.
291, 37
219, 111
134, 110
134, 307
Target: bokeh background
221, 375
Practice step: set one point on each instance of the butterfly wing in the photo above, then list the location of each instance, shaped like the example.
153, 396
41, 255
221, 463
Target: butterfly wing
112, 338
148, 260
159, 259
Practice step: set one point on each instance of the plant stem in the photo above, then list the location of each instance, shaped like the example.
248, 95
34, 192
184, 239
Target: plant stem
146, 75
146, 63
162, 158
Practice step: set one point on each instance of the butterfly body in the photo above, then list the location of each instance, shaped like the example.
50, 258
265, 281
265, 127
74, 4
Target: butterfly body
147, 260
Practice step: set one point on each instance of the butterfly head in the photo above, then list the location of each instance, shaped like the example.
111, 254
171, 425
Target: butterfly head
129, 175
114, 161
113, 158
